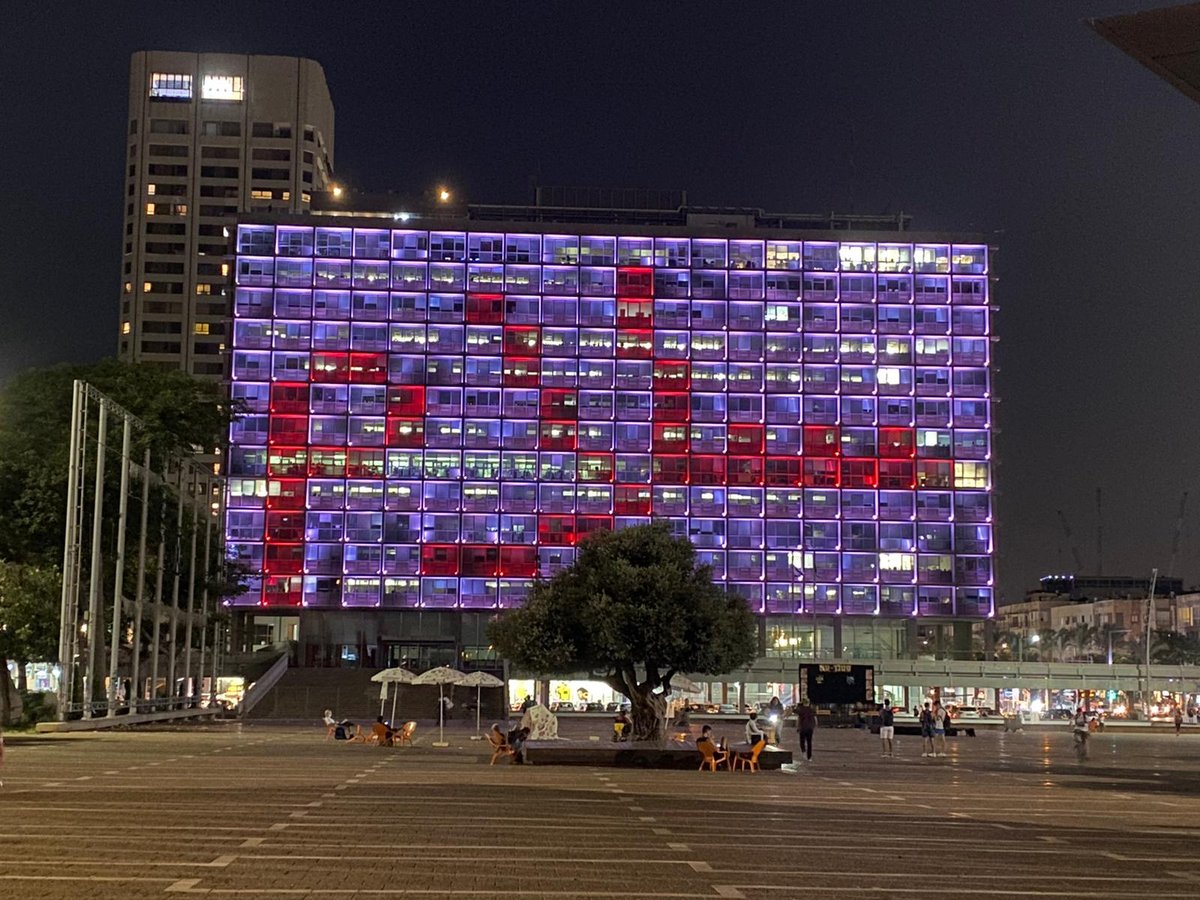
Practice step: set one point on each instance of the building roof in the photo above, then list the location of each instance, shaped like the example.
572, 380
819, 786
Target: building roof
1166, 41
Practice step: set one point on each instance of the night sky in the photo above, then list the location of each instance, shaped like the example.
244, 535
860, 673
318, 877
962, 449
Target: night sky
1013, 119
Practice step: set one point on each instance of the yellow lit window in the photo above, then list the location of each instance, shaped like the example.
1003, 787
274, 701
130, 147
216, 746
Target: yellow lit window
151, 188
221, 87
305, 197
204, 289
200, 328
180, 209
970, 474
225, 269
129, 287
126, 328
260, 195
149, 209
146, 287
286, 195
896, 562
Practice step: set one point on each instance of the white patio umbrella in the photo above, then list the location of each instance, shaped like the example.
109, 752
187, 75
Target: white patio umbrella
441, 676
391, 676
480, 680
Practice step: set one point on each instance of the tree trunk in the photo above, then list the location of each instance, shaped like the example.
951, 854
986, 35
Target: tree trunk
22, 677
647, 710
10, 701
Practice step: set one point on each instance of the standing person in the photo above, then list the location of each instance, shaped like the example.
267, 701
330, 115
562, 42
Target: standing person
1080, 733
941, 720
1178, 720
926, 719
887, 730
806, 723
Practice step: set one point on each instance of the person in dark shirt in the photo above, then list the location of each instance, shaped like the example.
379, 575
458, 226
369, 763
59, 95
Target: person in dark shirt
806, 723
887, 729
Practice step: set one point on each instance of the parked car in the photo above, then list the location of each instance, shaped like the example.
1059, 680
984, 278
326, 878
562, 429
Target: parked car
559, 706
595, 706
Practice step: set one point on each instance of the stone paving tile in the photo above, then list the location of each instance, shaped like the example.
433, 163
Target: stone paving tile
262, 811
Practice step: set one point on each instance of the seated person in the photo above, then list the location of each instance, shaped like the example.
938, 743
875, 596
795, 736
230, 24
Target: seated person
344, 730
754, 732
382, 732
516, 739
622, 727
705, 741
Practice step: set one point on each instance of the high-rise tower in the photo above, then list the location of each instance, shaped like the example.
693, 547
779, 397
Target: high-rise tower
209, 135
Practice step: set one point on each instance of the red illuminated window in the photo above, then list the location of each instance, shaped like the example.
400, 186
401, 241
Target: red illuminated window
672, 407
670, 437
522, 371
857, 473
522, 341
708, 470
745, 469
330, 367
559, 404
484, 309
556, 530
289, 429
406, 400
820, 473
635, 281
283, 591
821, 440
784, 470
439, 559
896, 443
896, 473
745, 439
289, 398
632, 500
405, 432
368, 368
669, 470
557, 435
481, 559
285, 526
285, 493
518, 561
671, 375
283, 559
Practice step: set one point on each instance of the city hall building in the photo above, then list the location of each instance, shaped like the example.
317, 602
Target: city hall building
442, 405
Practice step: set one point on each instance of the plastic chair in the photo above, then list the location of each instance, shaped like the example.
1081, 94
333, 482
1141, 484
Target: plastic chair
712, 756
405, 734
500, 747
742, 761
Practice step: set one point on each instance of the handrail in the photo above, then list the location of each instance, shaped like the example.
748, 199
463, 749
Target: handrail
260, 688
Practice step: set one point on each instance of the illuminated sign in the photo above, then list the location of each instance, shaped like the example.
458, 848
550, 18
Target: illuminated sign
222, 87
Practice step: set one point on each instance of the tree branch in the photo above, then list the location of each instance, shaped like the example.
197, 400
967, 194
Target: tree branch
666, 682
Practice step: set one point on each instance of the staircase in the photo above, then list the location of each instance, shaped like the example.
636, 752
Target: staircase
305, 694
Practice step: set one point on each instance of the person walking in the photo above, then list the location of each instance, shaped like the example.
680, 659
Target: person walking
1178, 720
1080, 732
806, 724
887, 730
926, 719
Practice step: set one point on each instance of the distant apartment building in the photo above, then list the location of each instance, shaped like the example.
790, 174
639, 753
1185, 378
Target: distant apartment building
210, 135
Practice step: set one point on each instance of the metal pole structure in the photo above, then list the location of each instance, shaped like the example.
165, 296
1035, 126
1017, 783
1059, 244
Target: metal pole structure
135, 653
69, 608
191, 594
208, 526
175, 594
1149, 624
156, 628
96, 578
216, 659
114, 638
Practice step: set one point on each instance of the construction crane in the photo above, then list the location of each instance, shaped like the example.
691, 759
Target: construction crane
1070, 541
1178, 534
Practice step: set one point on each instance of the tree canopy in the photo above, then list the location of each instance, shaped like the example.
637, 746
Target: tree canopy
634, 608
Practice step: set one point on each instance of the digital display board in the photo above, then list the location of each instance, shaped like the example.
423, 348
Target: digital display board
837, 683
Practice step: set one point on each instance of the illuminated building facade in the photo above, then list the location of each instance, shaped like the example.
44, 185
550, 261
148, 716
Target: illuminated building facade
438, 414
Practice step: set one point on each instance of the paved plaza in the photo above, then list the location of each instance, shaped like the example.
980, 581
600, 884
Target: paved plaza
269, 811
